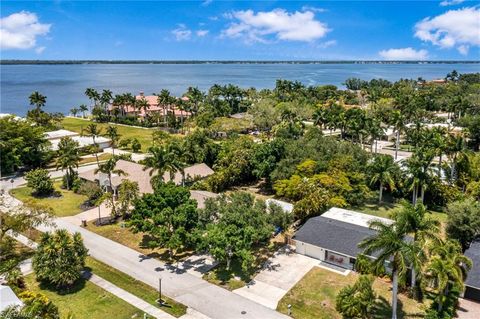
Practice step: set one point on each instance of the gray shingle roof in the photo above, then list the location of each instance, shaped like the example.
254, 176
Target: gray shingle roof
473, 252
333, 235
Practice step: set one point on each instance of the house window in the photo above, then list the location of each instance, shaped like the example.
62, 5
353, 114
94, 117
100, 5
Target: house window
352, 261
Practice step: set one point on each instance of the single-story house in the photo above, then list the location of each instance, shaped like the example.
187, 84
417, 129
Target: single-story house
55, 136
138, 173
334, 236
472, 283
8, 298
202, 196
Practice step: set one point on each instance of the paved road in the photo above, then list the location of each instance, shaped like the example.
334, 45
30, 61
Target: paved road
206, 298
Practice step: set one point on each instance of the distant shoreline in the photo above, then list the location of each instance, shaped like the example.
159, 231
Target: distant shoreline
63, 62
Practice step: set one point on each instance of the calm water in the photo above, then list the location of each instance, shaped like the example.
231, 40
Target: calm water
64, 85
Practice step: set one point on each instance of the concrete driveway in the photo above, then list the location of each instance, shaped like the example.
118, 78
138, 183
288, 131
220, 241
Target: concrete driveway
468, 309
279, 275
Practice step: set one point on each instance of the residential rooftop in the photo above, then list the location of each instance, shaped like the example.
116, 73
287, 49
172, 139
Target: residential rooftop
473, 252
352, 217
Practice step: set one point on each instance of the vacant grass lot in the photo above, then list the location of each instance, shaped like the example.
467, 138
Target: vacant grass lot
85, 301
135, 287
144, 135
313, 297
67, 204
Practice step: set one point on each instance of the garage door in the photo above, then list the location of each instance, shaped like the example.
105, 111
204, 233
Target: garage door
314, 251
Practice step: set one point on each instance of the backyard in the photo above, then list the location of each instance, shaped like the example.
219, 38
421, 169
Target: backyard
314, 297
67, 203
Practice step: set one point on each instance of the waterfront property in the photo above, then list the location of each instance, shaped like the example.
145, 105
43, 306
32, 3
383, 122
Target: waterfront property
84, 141
472, 284
334, 237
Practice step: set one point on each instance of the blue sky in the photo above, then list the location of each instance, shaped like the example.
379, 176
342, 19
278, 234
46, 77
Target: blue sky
240, 30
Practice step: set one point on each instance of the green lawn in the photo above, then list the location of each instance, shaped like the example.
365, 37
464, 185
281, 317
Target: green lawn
143, 135
67, 204
313, 297
85, 301
135, 287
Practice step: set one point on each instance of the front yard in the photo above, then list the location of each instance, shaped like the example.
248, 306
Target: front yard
314, 297
85, 301
67, 203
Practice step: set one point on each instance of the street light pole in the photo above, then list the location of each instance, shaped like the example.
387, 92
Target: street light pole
160, 291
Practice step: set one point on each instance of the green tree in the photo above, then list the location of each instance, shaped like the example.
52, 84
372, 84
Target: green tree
463, 222
128, 192
136, 146
108, 168
37, 99
83, 108
237, 222
382, 171
447, 269
60, 258
68, 158
94, 131
357, 300
74, 111
40, 182
168, 216
93, 96
164, 159
114, 136
38, 306
390, 245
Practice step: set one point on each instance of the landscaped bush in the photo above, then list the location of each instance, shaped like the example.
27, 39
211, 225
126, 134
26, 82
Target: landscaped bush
40, 182
136, 146
70, 179
364, 265
91, 190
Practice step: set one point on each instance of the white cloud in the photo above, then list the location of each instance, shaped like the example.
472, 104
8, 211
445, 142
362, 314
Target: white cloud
206, 2
201, 33
404, 54
20, 30
450, 2
258, 27
454, 28
327, 44
182, 33
39, 50
314, 9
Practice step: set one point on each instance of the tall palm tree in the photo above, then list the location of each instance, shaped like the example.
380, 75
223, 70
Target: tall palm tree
68, 157
164, 99
456, 151
106, 98
109, 168
420, 171
142, 104
113, 135
195, 97
390, 245
74, 111
83, 108
383, 169
94, 131
93, 96
164, 159
37, 99
447, 268
413, 219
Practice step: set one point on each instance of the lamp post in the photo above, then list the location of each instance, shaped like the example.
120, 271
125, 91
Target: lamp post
160, 291
11, 183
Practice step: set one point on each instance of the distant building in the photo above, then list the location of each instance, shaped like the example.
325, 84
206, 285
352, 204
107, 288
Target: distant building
55, 136
139, 173
334, 236
472, 284
153, 107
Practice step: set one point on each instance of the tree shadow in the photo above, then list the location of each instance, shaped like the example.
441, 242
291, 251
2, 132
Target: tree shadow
383, 309
63, 291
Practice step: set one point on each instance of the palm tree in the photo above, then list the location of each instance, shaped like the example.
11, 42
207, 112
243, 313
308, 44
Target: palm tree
447, 268
164, 159
93, 96
108, 168
164, 99
413, 219
37, 99
112, 133
68, 157
456, 151
106, 98
74, 111
398, 122
419, 169
83, 108
392, 248
142, 104
93, 131
383, 169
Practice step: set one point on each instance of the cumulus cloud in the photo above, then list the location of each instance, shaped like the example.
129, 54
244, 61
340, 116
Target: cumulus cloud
20, 30
278, 23
182, 33
404, 54
450, 2
201, 33
453, 29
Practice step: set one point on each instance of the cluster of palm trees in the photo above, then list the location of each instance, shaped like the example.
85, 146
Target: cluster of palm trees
412, 243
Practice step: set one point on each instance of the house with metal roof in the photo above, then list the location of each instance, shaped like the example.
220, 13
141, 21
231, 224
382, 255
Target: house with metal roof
472, 283
334, 236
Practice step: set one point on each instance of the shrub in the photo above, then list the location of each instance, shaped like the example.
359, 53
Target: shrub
38, 306
70, 179
124, 142
365, 266
357, 300
136, 146
91, 190
40, 182
60, 258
